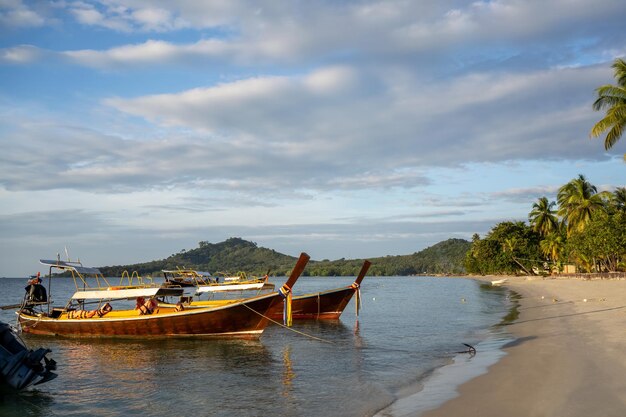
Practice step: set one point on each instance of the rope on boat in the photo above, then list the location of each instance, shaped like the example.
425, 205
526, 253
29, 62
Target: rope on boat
357, 299
319, 304
289, 328
32, 326
285, 292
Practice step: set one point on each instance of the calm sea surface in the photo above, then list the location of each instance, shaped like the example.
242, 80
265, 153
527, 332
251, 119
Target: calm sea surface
407, 327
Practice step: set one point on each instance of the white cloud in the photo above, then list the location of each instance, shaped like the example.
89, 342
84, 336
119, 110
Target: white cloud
405, 122
123, 17
16, 14
254, 33
149, 51
22, 54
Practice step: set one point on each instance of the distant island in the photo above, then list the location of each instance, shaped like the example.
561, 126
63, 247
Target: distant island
236, 254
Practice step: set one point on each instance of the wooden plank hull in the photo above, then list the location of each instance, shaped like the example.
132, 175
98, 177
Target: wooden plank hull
243, 319
327, 305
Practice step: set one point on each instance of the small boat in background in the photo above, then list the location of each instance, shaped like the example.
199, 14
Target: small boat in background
207, 283
239, 282
244, 318
186, 278
20, 366
326, 305
498, 282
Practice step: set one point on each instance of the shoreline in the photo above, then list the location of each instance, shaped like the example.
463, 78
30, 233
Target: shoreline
567, 357
440, 384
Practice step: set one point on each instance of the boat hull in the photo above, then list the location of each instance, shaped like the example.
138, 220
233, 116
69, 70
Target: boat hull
243, 319
327, 305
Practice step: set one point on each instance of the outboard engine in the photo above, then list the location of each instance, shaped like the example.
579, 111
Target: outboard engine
36, 293
21, 367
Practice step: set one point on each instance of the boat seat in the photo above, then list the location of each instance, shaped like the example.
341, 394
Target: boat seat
185, 299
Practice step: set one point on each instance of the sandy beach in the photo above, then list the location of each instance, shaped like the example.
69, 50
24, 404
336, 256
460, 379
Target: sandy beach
568, 359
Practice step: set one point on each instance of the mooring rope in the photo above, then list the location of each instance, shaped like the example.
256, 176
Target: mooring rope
289, 328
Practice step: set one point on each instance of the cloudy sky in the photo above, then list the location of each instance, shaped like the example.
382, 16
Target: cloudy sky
133, 129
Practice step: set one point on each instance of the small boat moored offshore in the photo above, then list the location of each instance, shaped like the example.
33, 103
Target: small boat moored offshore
186, 278
207, 283
243, 318
240, 282
20, 366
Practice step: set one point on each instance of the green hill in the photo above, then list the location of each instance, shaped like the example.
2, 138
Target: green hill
232, 255
236, 254
445, 257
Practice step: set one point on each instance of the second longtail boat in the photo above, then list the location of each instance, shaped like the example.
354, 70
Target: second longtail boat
326, 305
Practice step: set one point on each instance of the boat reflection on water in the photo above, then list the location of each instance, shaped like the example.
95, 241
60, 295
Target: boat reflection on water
288, 372
358, 340
136, 375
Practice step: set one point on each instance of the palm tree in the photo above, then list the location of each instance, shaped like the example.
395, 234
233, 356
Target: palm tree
613, 99
619, 199
578, 201
510, 245
585, 262
552, 246
543, 217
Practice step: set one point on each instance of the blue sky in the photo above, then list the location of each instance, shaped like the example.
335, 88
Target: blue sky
133, 129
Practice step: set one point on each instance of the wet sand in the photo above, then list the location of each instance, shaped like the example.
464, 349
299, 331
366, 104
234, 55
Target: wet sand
568, 358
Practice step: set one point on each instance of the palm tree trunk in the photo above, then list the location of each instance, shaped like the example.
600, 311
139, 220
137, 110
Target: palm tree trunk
521, 266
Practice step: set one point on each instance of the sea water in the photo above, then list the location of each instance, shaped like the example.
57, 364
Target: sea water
389, 360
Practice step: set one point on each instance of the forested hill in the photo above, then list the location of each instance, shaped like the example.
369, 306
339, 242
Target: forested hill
236, 254
445, 257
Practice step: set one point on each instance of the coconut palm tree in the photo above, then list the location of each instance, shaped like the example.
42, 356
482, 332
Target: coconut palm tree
584, 261
543, 217
552, 246
619, 199
578, 201
510, 245
612, 98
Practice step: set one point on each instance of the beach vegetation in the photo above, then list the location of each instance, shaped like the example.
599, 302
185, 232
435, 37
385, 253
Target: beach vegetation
509, 248
618, 200
578, 201
553, 246
603, 242
612, 99
543, 217
584, 227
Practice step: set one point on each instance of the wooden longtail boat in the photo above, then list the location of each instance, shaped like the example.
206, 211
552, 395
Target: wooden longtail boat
245, 318
326, 305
